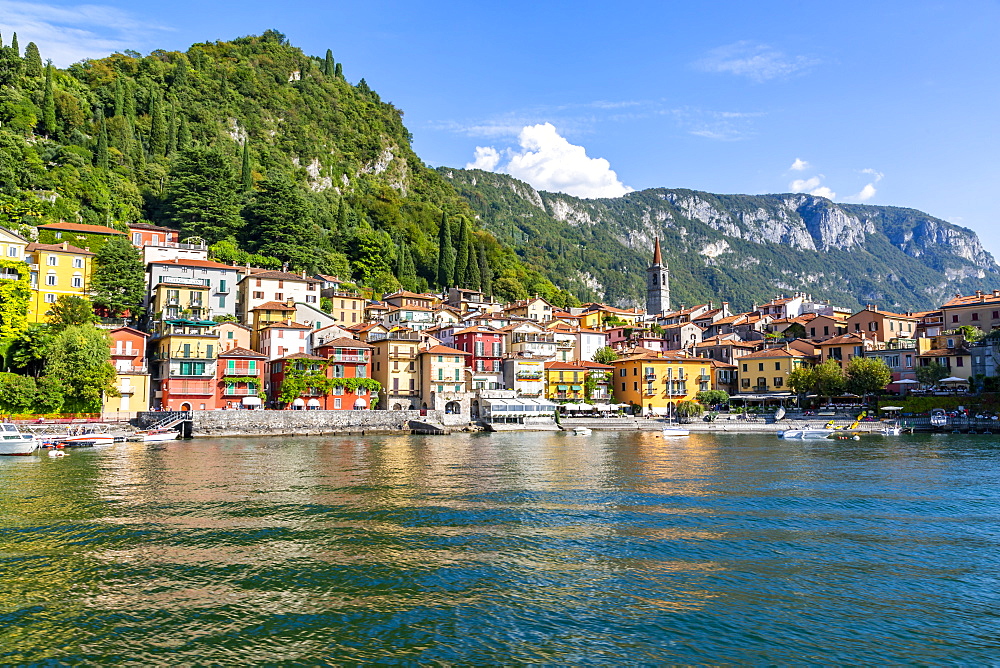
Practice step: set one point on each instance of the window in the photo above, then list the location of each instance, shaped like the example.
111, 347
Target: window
336, 402
951, 343
12, 251
281, 285
954, 318
52, 261
778, 382
635, 387
996, 315
745, 382
623, 387
50, 279
279, 296
77, 281
258, 295
311, 299
257, 283
777, 366
909, 361
745, 368
959, 361
760, 366
826, 330
78, 264
975, 316
50, 298
622, 371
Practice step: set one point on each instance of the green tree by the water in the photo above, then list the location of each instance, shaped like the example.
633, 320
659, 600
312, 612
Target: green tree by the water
119, 281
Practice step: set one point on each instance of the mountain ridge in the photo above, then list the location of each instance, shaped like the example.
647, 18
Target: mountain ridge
719, 247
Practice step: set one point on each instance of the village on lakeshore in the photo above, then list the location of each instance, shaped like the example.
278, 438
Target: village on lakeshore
223, 337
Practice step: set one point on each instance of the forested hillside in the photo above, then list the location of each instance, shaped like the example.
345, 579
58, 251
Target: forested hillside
740, 248
269, 154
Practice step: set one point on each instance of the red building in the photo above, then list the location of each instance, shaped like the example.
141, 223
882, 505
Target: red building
144, 234
485, 348
348, 359
240, 379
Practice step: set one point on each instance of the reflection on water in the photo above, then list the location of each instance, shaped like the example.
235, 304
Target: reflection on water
505, 548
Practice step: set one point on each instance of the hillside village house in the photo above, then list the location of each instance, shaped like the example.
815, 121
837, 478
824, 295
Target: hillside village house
768, 370
981, 310
233, 335
88, 237
881, 325
394, 365
484, 346
183, 358
588, 342
12, 245
262, 287
128, 355
536, 309
530, 338
220, 280
443, 383
524, 374
144, 234
346, 358
657, 382
842, 349
240, 379
281, 339
57, 270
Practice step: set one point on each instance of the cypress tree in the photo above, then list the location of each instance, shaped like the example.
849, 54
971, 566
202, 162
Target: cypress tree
32, 61
101, 156
328, 64
339, 72
13, 45
183, 134
49, 104
342, 215
246, 175
180, 73
128, 97
158, 128
462, 254
446, 254
172, 129
119, 97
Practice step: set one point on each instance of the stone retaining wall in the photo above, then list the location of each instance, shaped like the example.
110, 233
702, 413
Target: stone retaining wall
273, 423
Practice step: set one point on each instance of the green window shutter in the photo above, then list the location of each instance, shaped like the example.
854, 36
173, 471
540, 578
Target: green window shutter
230, 364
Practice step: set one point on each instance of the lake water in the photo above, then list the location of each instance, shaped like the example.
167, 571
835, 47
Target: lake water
513, 548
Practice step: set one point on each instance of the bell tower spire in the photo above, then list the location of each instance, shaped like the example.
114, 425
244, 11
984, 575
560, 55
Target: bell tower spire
657, 284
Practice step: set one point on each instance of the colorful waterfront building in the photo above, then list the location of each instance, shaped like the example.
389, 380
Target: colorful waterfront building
240, 379
346, 358
524, 374
484, 346
57, 270
183, 358
564, 381
180, 298
443, 382
768, 370
395, 367
128, 355
658, 381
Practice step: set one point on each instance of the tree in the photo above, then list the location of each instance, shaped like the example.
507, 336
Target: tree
158, 128
203, 197
462, 254
485, 273
119, 281
17, 393
48, 126
865, 375
246, 174
32, 61
801, 380
101, 154
970, 333
931, 374
329, 67
80, 355
446, 254
712, 397
14, 45
828, 379
70, 311
689, 409
280, 219
27, 353
339, 72
605, 355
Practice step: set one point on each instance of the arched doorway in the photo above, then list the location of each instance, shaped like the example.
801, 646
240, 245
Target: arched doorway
185, 406
475, 409
397, 407
453, 408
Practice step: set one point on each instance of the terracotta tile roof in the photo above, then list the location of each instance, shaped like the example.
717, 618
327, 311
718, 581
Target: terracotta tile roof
344, 342
285, 325
971, 300
844, 339
273, 306
281, 276
477, 329
152, 228
80, 227
716, 364
242, 352
57, 248
774, 352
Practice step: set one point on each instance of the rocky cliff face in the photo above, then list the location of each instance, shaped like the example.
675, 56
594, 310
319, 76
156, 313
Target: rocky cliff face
749, 245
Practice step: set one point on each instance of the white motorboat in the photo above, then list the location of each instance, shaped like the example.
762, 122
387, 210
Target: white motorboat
157, 435
805, 433
88, 437
582, 431
13, 442
675, 431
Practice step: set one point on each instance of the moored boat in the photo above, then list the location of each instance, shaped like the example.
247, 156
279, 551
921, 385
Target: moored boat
676, 431
157, 435
805, 433
13, 442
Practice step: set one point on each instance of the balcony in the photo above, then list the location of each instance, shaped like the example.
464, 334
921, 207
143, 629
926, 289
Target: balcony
223, 290
9, 276
402, 393
650, 391
347, 357
529, 375
403, 336
33, 267
533, 338
174, 244
126, 370
185, 280
240, 392
191, 355
704, 378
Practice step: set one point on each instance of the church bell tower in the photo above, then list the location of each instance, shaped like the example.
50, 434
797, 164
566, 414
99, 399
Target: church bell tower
657, 284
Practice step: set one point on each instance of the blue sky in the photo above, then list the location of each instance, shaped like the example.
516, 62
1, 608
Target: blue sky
886, 102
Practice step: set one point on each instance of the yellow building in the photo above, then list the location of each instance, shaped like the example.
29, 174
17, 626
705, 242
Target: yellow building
12, 246
658, 381
595, 316
768, 370
181, 298
394, 365
56, 270
564, 381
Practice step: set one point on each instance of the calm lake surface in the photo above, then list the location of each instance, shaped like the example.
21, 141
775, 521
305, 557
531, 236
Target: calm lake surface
486, 549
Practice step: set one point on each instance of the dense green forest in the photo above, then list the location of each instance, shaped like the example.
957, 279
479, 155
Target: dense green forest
744, 249
264, 152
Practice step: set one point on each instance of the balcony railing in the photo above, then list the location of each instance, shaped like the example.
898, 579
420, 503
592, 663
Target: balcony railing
191, 355
529, 375
131, 369
347, 357
8, 276
184, 280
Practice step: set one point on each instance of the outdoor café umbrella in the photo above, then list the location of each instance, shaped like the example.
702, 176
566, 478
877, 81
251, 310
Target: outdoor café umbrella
905, 381
953, 379
892, 408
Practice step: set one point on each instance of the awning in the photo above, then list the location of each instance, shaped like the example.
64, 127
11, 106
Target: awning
603, 407
586, 407
953, 379
905, 381
313, 402
251, 401
299, 402
577, 388
360, 403
562, 388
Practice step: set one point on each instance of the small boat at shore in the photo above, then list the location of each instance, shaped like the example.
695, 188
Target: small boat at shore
675, 431
157, 435
582, 431
803, 434
15, 443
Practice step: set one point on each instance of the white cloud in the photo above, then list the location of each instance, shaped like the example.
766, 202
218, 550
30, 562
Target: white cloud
70, 33
759, 62
878, 175
799, 165
487, 159
547, 161
803, 185
812, 186
866, 193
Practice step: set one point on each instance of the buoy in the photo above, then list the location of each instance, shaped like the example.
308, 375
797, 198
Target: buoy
857, 438
56, 453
